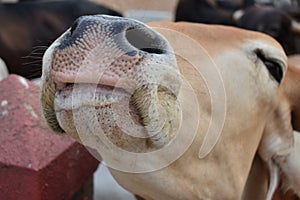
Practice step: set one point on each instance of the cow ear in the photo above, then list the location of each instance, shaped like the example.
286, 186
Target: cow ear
295, 27
237, 15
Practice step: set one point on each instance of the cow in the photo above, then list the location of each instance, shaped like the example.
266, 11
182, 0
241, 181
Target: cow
28, 28
267, 19
176, 110
206, 11
273, 22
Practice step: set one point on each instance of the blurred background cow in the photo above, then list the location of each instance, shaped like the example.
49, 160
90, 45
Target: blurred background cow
277, 18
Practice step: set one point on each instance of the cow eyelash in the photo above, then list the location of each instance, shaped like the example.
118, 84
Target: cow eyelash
273, 67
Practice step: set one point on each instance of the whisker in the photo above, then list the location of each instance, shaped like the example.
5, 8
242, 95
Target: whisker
33, 53
40, 47
38, 50
31, 63
34, 57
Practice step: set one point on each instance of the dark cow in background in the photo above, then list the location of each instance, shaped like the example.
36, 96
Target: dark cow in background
209, 11
28, 28
280, 23
274, 22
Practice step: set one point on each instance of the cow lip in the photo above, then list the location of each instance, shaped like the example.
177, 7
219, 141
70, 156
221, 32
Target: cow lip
71, 96
103, 97
98, 87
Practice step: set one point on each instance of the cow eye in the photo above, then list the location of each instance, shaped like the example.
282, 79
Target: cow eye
273, 67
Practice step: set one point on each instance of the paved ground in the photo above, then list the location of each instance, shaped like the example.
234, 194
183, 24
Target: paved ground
106, 188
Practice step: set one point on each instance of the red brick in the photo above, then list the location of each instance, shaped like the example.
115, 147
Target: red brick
36, 163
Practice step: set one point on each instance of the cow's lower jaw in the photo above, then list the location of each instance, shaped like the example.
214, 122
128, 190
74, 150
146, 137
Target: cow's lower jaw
112, 112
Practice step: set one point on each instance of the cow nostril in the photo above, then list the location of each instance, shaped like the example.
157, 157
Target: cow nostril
153, 50
144, 40
73, 27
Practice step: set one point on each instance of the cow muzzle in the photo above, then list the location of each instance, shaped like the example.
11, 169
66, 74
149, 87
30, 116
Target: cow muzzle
104, 67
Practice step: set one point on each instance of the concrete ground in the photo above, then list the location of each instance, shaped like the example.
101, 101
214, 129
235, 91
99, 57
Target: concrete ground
106, 188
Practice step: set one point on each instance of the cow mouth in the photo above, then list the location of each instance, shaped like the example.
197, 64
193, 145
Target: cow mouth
72, 96
99, 95
116, 111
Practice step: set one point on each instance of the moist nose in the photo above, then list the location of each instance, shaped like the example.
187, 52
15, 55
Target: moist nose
130, 36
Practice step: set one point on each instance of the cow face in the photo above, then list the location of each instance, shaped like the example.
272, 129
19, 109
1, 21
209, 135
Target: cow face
105, 68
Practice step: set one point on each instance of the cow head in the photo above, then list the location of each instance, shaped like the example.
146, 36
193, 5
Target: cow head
106, 75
